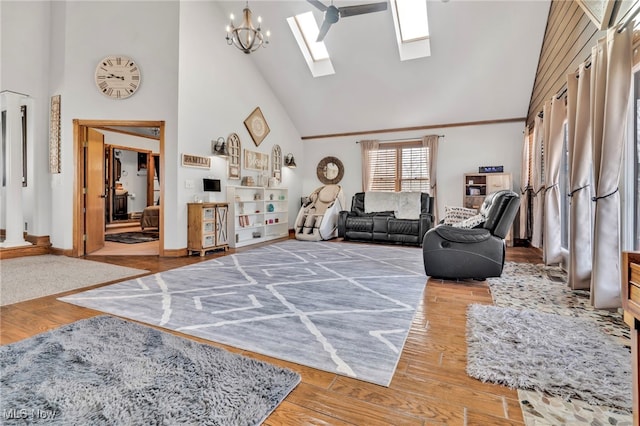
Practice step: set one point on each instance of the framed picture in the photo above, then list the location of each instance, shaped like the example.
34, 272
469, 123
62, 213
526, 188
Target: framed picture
257, 126
256, 161
54, 135
189, 160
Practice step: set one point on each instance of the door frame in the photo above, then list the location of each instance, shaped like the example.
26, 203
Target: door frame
79, 131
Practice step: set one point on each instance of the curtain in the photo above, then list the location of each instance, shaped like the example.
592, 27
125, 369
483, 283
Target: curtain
367, 147
579, 147
431, 143
537, 185
524, 188
611, 66
552, 253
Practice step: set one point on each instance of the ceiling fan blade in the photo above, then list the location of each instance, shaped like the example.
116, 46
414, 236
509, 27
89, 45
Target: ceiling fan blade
362, 8
323, 30
318, 5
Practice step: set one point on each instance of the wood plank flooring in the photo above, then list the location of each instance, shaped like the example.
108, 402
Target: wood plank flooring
430, 386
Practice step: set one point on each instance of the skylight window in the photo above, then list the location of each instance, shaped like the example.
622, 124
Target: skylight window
412, 20
412, 28
309, 29
305, 30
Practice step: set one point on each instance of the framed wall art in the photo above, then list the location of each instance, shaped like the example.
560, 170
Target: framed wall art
257, 126
189, 160
54, 135
256, 161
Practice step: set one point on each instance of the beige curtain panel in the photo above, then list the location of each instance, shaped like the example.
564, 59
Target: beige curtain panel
367, 147
552, 251
579, 148
523, 231
537, 185
611, 61
431, 143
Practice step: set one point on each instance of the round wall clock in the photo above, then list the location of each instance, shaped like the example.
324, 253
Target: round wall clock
117, 76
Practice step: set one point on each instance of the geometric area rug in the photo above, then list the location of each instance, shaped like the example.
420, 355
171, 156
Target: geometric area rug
106, 371
339, 307
544, 289
560, 355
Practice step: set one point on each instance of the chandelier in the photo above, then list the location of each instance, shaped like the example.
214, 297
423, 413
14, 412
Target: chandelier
246, 37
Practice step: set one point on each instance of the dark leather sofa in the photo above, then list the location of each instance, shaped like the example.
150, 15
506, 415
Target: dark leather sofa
461, 253
384, 227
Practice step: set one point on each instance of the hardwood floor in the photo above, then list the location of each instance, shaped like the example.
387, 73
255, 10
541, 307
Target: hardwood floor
430, 385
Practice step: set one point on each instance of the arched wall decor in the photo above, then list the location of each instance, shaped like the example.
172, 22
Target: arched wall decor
233, 145
276, 162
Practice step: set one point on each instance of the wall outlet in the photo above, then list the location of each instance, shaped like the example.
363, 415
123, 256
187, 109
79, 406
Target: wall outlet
188, 184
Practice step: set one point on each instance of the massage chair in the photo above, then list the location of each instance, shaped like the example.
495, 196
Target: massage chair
318, 217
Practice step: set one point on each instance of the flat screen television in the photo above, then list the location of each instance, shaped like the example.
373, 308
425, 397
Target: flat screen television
211, 185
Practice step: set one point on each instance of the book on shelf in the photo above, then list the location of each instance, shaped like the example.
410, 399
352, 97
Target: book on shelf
244, 220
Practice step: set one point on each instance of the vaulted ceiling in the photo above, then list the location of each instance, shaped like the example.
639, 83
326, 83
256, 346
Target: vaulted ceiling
482, 66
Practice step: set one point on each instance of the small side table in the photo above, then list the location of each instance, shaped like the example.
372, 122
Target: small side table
631, 304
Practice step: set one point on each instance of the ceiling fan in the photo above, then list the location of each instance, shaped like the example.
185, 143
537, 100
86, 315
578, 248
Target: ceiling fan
332, 14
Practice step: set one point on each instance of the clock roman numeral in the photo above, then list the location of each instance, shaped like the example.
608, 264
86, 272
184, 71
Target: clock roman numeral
103, 85
133, 86
118, 61
117, 93
109, 62
135, 77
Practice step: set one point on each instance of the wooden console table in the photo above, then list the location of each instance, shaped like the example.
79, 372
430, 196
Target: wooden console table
631, 305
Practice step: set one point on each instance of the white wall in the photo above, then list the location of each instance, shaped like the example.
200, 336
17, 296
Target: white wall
461, 151
24, 55
219, 88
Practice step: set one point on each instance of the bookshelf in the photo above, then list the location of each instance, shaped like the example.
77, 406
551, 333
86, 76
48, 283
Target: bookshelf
257, 214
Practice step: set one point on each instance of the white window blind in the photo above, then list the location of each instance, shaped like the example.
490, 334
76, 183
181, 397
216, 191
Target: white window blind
400, 167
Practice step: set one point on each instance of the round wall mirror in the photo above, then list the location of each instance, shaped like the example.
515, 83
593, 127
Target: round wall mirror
330, 170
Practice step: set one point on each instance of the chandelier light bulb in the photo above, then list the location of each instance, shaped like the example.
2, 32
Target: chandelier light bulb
231, 17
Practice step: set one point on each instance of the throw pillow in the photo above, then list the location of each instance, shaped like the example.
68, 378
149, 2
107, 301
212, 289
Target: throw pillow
471, 222
457, 214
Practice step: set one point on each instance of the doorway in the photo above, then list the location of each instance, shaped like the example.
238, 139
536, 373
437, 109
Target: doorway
104, 198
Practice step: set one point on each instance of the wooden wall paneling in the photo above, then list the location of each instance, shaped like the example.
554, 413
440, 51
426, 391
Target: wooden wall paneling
568, 39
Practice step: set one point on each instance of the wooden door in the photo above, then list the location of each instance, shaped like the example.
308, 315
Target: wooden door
95, 192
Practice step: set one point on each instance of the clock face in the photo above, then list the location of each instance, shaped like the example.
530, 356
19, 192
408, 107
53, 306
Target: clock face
117, 77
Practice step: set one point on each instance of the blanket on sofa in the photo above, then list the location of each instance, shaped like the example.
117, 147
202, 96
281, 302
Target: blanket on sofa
405, 205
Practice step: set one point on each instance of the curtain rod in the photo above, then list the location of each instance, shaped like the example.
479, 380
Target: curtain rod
401, 139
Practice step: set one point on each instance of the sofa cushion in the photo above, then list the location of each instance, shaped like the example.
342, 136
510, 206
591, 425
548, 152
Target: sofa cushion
404, 226
359, 224
457, 214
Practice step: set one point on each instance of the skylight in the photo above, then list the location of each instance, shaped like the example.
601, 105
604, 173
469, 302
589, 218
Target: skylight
412, 19
412, 28
309, 29
305, 30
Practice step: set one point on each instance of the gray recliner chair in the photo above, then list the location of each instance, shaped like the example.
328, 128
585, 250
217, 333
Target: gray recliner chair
460, 253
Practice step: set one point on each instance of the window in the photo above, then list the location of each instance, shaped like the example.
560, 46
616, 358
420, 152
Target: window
411, 25
400, 167
305, 31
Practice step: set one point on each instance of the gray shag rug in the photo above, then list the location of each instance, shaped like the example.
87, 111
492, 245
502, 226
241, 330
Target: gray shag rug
107, 371
345, 308
30, 277
562, 356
